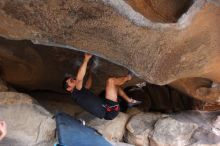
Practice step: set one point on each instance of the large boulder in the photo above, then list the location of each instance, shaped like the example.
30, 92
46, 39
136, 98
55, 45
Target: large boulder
140, 127
216, 126
159, 53
27, 122
184, 128
170, 132
111, 129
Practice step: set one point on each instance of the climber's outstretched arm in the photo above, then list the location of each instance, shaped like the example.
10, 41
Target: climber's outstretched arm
82, 71
89, 82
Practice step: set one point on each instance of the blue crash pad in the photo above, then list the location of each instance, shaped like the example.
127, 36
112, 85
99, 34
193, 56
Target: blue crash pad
71, 132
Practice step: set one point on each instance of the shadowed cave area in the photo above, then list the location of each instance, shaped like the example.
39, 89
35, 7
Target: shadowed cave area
39, 69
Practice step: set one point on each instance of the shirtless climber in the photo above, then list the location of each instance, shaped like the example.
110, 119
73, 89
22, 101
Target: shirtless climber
3, 130
107, 108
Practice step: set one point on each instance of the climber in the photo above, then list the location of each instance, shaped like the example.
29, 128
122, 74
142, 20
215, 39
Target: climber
107, 108
3, 129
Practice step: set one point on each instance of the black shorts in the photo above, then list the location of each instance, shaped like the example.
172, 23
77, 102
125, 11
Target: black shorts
112, 109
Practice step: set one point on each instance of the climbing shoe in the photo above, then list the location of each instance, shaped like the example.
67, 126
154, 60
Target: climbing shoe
133, 103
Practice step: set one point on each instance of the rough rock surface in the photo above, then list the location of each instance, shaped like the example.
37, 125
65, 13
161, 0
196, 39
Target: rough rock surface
139, 128
169, 131
160, 52
28, 123
3, 86
120, 144
184, 128
216, 126
113, 130
160, 10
